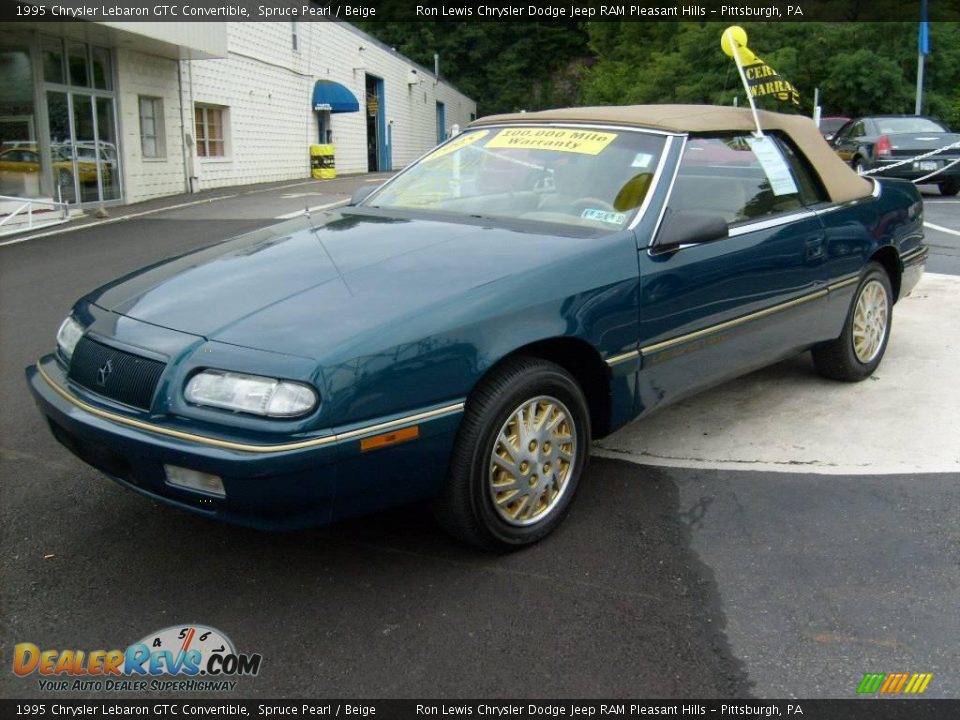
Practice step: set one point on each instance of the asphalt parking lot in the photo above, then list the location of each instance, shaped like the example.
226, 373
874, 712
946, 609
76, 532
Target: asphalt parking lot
943, 232
702, 577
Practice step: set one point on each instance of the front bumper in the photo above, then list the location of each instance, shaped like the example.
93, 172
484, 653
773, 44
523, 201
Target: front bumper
291, 488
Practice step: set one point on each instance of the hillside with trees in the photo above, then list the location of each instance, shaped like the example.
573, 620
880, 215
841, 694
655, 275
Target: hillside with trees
858, 67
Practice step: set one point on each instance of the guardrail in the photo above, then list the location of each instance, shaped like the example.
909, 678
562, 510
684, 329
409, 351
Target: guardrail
24, 216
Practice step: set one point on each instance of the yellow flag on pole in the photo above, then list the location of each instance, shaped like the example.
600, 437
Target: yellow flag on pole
759, 79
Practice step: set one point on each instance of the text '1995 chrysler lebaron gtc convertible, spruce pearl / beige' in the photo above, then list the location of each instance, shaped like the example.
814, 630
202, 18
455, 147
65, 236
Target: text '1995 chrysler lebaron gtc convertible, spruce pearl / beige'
464, 331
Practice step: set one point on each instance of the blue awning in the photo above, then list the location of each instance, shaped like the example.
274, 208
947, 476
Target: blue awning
328, 95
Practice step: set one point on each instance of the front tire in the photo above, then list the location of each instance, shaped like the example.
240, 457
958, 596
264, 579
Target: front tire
859, 166
519, 455
858, 351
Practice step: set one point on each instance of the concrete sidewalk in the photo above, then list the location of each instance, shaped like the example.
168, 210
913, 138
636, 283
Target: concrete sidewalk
302, 193
904, 419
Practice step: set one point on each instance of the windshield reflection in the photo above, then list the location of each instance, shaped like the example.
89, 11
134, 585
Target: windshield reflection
583, 177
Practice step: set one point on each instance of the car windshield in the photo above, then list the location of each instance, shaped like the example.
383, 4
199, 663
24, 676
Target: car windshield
909, 125
579, 176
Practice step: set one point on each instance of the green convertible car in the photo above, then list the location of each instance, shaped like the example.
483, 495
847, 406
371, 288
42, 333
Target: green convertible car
462, 333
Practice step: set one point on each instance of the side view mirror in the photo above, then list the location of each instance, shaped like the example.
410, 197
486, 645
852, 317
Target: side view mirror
688, 228
362, 193
828, 137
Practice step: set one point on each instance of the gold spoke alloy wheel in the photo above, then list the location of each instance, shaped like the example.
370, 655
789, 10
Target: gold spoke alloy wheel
532, 460
870, 318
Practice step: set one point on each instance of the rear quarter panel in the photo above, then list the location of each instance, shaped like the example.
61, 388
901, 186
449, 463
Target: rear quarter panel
890, 222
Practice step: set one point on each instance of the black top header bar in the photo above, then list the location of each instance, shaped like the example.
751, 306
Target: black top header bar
720, 11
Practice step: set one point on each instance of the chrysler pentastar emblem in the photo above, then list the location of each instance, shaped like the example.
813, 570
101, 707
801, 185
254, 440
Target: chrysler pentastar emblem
104, 372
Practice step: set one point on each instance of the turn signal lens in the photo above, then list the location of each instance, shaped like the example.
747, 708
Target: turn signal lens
264, 396
390, 438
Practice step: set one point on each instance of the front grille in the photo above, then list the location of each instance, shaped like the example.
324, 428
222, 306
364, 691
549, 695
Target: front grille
115, 374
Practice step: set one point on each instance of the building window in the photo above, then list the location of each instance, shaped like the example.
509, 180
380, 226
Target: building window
210, 134
52, 54
293, 34
151, 128
81, 65
78, 63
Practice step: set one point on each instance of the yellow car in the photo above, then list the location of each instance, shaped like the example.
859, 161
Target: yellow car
25, 159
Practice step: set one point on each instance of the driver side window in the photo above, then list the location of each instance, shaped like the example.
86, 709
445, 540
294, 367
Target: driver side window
737, 177
844, 132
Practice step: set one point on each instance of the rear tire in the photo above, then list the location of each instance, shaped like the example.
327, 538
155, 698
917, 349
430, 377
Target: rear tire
858, 351
949, 188
518, 458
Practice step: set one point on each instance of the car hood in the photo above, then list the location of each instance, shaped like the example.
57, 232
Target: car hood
309, 287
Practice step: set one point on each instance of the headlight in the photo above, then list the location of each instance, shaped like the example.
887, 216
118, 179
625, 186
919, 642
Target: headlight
68, 336
251, 394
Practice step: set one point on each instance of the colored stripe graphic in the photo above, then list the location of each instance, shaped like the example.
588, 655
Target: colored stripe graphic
898, 684
894, 683
920, 682
871, 683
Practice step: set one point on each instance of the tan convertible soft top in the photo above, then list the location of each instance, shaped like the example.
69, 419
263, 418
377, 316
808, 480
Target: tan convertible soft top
840, 181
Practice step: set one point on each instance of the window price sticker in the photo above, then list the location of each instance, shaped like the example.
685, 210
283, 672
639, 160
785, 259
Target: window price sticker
774, 166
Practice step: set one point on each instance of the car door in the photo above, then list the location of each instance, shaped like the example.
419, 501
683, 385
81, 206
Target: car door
849, 138
714, 310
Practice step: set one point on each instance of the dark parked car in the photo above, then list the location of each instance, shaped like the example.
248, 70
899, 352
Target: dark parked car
879, 141
450, 340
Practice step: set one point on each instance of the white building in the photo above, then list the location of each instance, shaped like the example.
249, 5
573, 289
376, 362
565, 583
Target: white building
97, 113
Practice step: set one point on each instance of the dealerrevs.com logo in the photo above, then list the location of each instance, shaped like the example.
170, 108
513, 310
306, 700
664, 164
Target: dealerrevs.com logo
199, 657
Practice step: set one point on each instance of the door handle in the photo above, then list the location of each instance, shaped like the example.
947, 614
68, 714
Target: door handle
813, 249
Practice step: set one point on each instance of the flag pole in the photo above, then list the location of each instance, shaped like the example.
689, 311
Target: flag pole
743, 78
923, 47
918, 103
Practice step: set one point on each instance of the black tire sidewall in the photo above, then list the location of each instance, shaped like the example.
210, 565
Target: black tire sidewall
873, 272
544, 381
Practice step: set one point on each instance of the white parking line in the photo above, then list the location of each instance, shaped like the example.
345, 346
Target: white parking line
298, 213
131, 216
116, 219
941, 228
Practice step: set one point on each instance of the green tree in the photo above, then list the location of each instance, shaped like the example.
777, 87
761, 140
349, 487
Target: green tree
859, 67
863, 82
505, 66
